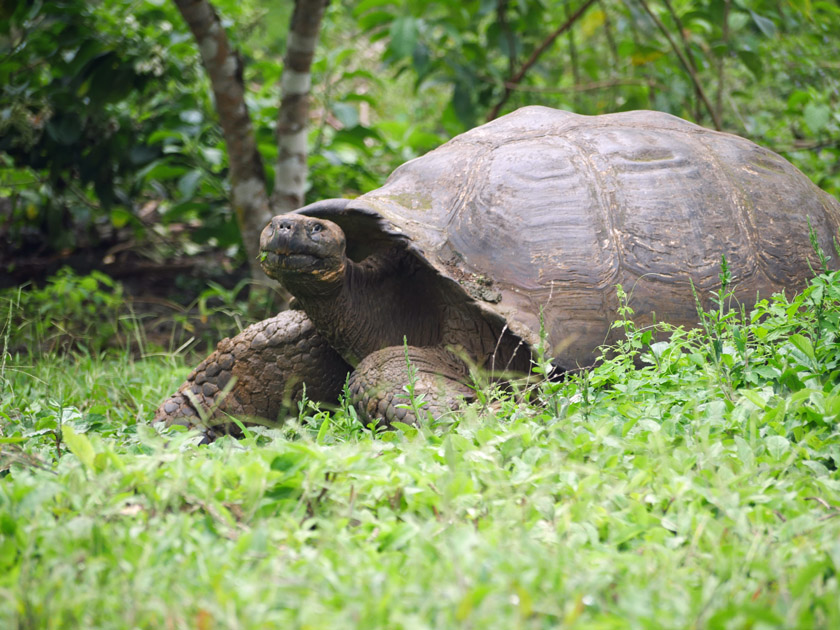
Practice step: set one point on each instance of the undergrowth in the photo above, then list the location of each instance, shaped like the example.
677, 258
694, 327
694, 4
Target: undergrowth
91, 314
682, 483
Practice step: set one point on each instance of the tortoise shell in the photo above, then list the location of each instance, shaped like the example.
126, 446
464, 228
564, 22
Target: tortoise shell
546, 211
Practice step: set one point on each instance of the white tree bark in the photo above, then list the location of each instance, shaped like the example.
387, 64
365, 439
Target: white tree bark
291, 171
224, 67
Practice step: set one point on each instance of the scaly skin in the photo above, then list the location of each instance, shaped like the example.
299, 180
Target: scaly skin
270, 360
379, 386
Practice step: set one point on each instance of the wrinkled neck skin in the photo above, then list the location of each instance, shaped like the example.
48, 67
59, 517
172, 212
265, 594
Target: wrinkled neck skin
366, 306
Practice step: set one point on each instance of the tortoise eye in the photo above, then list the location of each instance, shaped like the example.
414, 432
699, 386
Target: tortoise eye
317, 228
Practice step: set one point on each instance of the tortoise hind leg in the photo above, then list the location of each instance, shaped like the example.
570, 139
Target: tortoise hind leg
268, 363
378, 385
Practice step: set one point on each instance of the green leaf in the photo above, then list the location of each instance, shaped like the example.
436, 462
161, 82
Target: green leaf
120, 217
803, 344
403, 37
366, 5
754, 397
165, 134
421, 60
797, 98
188, 183
288, 462
347, 114
753, 63
140, 154
592, 21
828, 7
325, 425
371, 20
65, 129
738, 20
816, 116
214, 156
191, 116
764, 24
462, 102
79, 445
360, 74
422, 141
162, 170
767, 371
451, 454
409, 430
112, 79
777, 445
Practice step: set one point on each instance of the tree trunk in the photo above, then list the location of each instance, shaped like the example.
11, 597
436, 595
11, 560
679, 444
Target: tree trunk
247, 178
291, 172
224, 67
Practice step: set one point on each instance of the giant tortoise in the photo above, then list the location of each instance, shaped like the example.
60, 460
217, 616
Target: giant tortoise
539, 214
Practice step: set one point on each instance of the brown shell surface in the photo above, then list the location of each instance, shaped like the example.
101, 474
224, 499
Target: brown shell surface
548, 210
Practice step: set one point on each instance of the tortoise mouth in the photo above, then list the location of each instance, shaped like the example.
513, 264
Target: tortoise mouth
284, 262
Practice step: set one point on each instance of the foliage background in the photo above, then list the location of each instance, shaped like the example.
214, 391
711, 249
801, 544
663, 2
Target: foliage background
108, 132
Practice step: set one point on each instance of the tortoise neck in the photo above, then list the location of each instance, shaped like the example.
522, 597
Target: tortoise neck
325, 285
374, 306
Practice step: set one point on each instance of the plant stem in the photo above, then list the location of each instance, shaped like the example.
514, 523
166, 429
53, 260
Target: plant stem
722, 60
685, 63
688, 55
573, 58
501, 11
547, 42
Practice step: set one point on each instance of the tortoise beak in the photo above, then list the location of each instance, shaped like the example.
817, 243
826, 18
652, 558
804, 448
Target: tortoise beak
283, 247
300, 244
280, 236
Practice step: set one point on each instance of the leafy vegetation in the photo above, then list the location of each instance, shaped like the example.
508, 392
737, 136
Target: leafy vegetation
107, 123
92, 114
687, 482
68, 311
92, 314
681, 483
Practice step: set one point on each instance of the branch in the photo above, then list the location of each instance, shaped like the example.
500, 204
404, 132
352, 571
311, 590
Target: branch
611, 44
573, 58
501, 10
608, 29
722, 60
586, 87
808, 145
293, 116
224, 67
517, 78
686, 64
686, 46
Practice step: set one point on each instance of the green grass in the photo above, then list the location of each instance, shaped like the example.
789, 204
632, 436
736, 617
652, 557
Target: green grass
700, 490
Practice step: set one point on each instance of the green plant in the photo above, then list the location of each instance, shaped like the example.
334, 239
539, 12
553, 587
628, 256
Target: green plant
414, 402
68, 312
656, 497
88, 98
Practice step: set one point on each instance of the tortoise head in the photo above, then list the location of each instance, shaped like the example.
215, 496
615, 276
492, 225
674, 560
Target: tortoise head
302, 251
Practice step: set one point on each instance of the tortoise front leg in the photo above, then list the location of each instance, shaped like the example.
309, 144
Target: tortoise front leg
268, 363
378, 386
